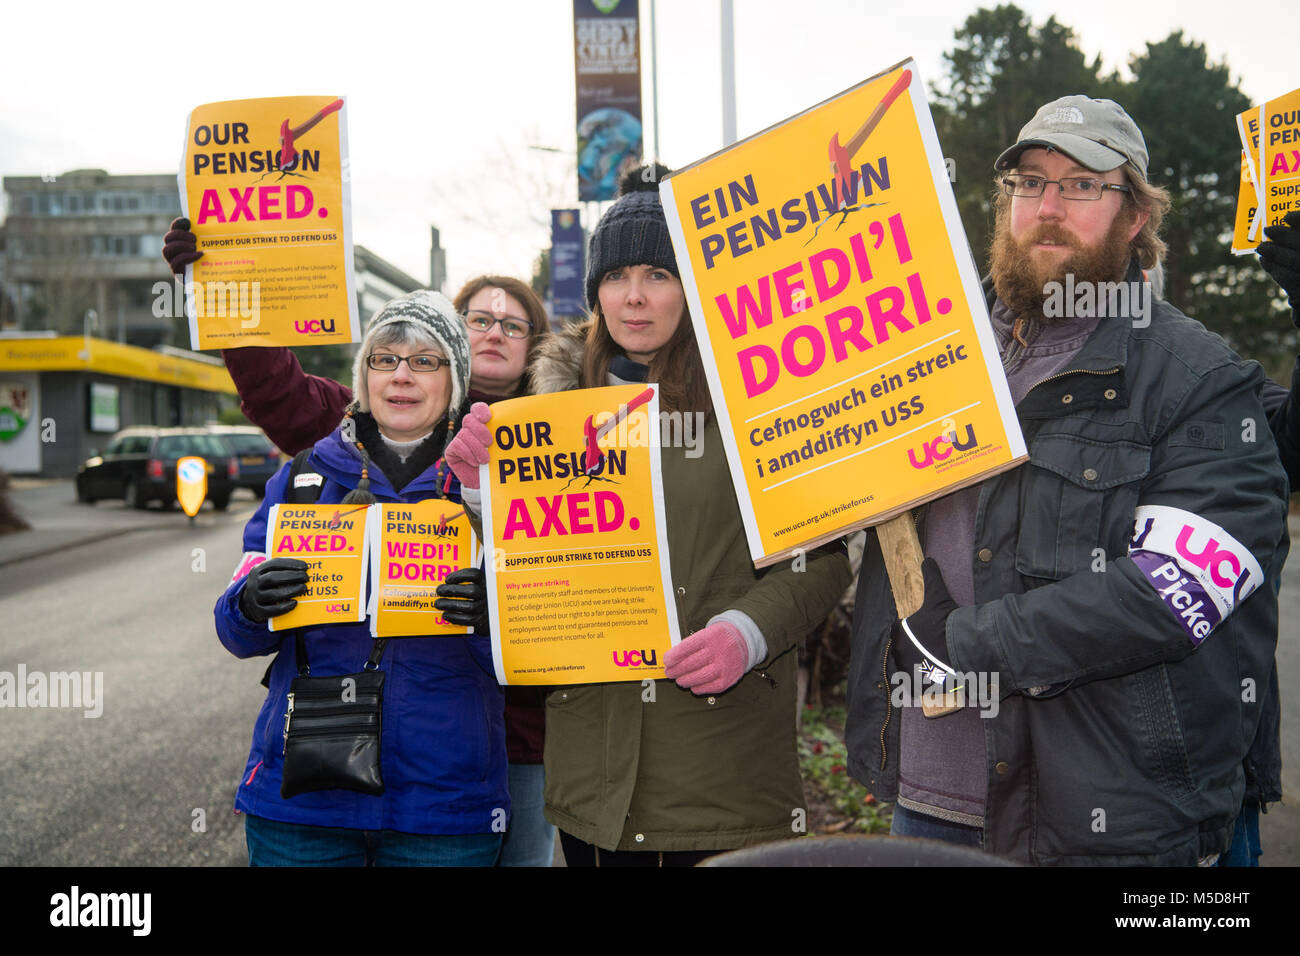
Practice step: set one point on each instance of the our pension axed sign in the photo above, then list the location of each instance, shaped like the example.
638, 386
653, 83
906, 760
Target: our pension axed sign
265, 186
332, 540
847, 345
578, 580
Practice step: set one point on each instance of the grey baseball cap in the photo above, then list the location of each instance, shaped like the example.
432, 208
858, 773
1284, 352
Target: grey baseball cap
1097, 133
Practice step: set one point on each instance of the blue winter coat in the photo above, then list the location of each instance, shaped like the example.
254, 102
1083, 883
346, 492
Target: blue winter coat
443, 743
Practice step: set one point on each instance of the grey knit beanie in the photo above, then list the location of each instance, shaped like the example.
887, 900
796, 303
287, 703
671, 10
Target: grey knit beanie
633, 232
432, 313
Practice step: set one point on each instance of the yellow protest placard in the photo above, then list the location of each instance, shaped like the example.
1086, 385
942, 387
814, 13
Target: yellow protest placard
1247, 211
578, 581
413, 548
1279, 157
844, 334
1250, 193
332, 540
264, 184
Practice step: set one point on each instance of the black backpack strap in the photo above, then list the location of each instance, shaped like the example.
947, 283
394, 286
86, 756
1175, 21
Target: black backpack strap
303, 493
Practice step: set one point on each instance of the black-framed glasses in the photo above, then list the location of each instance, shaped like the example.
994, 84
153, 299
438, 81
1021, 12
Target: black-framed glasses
512, 327
1073, 188
388, 362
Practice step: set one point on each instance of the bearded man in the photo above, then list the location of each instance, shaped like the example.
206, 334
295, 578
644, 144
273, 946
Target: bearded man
1119, 589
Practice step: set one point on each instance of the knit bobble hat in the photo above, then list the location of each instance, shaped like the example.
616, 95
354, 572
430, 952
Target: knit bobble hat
633, 232
434, 314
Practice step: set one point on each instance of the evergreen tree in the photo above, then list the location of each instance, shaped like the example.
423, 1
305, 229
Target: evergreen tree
1002, 68
1186, 108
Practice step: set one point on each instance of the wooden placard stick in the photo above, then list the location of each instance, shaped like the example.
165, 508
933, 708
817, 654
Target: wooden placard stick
901, 549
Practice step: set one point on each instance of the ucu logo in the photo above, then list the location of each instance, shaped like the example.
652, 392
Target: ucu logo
1211, 558
337, 608
941, 447
314, 326
636, 658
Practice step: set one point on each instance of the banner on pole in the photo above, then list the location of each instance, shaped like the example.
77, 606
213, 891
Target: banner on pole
568, 264
607, 61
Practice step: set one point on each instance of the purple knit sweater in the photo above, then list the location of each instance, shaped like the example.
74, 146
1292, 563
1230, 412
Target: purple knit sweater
942, 760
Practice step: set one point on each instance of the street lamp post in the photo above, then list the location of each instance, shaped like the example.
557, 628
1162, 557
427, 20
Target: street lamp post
728, 73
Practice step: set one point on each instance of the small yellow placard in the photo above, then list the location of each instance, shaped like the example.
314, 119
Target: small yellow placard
1245, 230
1279, 157
332, 540
412, 550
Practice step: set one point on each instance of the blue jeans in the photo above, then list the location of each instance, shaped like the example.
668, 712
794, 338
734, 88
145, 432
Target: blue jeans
530, 841
909, 823
1244, 849
272, 843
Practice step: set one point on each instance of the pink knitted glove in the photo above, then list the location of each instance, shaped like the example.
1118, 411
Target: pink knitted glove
469, 448
709, 661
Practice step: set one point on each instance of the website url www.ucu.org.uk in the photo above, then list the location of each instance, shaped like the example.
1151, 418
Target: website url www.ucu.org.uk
829, 512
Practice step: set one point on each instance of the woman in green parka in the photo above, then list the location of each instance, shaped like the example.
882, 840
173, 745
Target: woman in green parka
706, 760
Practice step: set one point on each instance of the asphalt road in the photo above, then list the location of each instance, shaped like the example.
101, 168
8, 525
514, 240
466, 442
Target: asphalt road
150, 782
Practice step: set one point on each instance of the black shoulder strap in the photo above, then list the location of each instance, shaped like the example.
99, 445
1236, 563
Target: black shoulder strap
304, 493
307, 494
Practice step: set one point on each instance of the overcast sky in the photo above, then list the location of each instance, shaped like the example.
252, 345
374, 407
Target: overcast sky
448, 100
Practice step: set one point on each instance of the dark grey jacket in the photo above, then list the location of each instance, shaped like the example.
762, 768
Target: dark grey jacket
1135, 756
1264, 762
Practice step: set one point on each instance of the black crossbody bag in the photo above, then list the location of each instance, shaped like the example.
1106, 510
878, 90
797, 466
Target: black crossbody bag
332, 729
332, 725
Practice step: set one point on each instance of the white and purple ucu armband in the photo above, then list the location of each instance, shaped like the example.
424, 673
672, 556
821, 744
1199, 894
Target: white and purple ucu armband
248, 561
1201, 572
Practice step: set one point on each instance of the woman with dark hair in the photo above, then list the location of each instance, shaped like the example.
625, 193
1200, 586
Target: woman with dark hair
708, 763
501, 312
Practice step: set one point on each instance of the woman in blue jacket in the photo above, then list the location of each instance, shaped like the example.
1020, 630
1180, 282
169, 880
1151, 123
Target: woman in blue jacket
443, 739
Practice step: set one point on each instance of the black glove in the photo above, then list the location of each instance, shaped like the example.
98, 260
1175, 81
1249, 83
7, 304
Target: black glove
928, 625
462, 599
180, 246
270, 587
1280, 258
